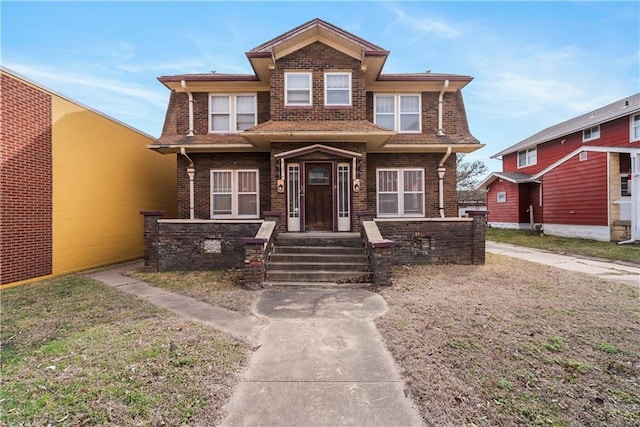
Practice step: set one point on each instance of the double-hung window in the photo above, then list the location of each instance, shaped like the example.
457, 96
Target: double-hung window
527, 157
234, 194
591, 133
635, 128
337, 89
399, 112
232, 113
400, 192
297, 89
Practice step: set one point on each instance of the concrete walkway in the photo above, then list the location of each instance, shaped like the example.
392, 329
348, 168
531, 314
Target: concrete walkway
322, 363
320, 360
609, 270
246, 328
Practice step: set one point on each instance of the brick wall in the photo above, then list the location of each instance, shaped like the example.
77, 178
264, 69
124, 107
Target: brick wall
25, 181
318, 58
203, 164
429, 162
202, 245
180, 103
451, 241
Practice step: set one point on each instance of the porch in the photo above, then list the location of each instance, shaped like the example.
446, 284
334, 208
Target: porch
177, 244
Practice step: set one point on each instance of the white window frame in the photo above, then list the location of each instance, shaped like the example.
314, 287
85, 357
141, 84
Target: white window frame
401, 192
634, 127
235, 193
501, 197
397, 103
591, 133
309, 90
232, 111
530, 157
327, 89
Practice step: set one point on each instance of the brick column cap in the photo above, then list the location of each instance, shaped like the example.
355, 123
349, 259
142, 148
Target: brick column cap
382, 244
152, 213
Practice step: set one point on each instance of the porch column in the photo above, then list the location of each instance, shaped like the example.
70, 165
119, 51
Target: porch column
478, 236
151, 234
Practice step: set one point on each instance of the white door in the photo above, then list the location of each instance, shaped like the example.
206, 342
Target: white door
293, 197
344, 197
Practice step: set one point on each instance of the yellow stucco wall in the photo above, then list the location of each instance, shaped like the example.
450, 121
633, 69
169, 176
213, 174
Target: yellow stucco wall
103, 175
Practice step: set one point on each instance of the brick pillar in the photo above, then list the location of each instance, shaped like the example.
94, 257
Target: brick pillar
254, 268
151, 232
275, 217
478, 236
380, 258
364, 216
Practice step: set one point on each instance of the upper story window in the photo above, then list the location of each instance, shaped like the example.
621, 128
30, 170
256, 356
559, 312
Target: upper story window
591, 133
297, 89
398, 112
337, 89
232, 113
527, 157
635, 128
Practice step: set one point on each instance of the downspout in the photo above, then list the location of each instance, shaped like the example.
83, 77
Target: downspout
441, 172
635, 176
191, 171
190, 95
441, 107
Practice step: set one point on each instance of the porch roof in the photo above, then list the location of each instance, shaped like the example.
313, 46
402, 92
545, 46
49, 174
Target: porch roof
318, 130
514, 177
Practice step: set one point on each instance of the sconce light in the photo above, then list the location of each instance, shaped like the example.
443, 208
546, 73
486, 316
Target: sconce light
356, 185
280, 186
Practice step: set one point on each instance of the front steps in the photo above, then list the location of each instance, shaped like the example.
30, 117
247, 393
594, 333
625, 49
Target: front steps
320, 259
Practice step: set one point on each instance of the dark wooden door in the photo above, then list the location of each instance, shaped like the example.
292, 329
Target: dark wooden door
318, 205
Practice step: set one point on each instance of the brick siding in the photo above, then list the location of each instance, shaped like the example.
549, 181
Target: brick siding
202, 182
25, 182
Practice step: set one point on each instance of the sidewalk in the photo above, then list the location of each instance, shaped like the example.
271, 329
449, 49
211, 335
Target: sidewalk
624, 273
320, 360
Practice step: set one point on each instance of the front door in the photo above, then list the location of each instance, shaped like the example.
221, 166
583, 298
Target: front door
318, 197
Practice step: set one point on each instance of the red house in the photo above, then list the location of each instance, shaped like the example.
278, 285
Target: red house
578, 178
317, 140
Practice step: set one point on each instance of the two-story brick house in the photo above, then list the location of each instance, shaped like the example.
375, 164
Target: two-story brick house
316, 135
578, 178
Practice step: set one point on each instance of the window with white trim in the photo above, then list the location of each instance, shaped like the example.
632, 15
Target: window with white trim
232, 112
625, 185
297, 89
400, 192
399, 112
234, 193
527, 157
591, 133
501, 197
337, 89
635, 128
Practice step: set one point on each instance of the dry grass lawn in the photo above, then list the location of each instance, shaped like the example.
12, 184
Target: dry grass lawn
75, 352
515, 343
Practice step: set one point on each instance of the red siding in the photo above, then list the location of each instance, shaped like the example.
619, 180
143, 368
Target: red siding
25, 182
503, 212
612, 134
576, 192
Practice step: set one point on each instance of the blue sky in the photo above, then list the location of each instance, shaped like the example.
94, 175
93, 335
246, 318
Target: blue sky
534, 63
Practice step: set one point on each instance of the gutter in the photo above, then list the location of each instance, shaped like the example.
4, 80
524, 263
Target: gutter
441, 107
191, 171
441, 172
183, 83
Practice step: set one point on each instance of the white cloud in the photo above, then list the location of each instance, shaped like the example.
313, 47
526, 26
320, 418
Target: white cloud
420, 26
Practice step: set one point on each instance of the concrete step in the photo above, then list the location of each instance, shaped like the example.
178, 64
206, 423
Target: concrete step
316, 285
319, 265
320, 239
343, 250
311, 257
318, 276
